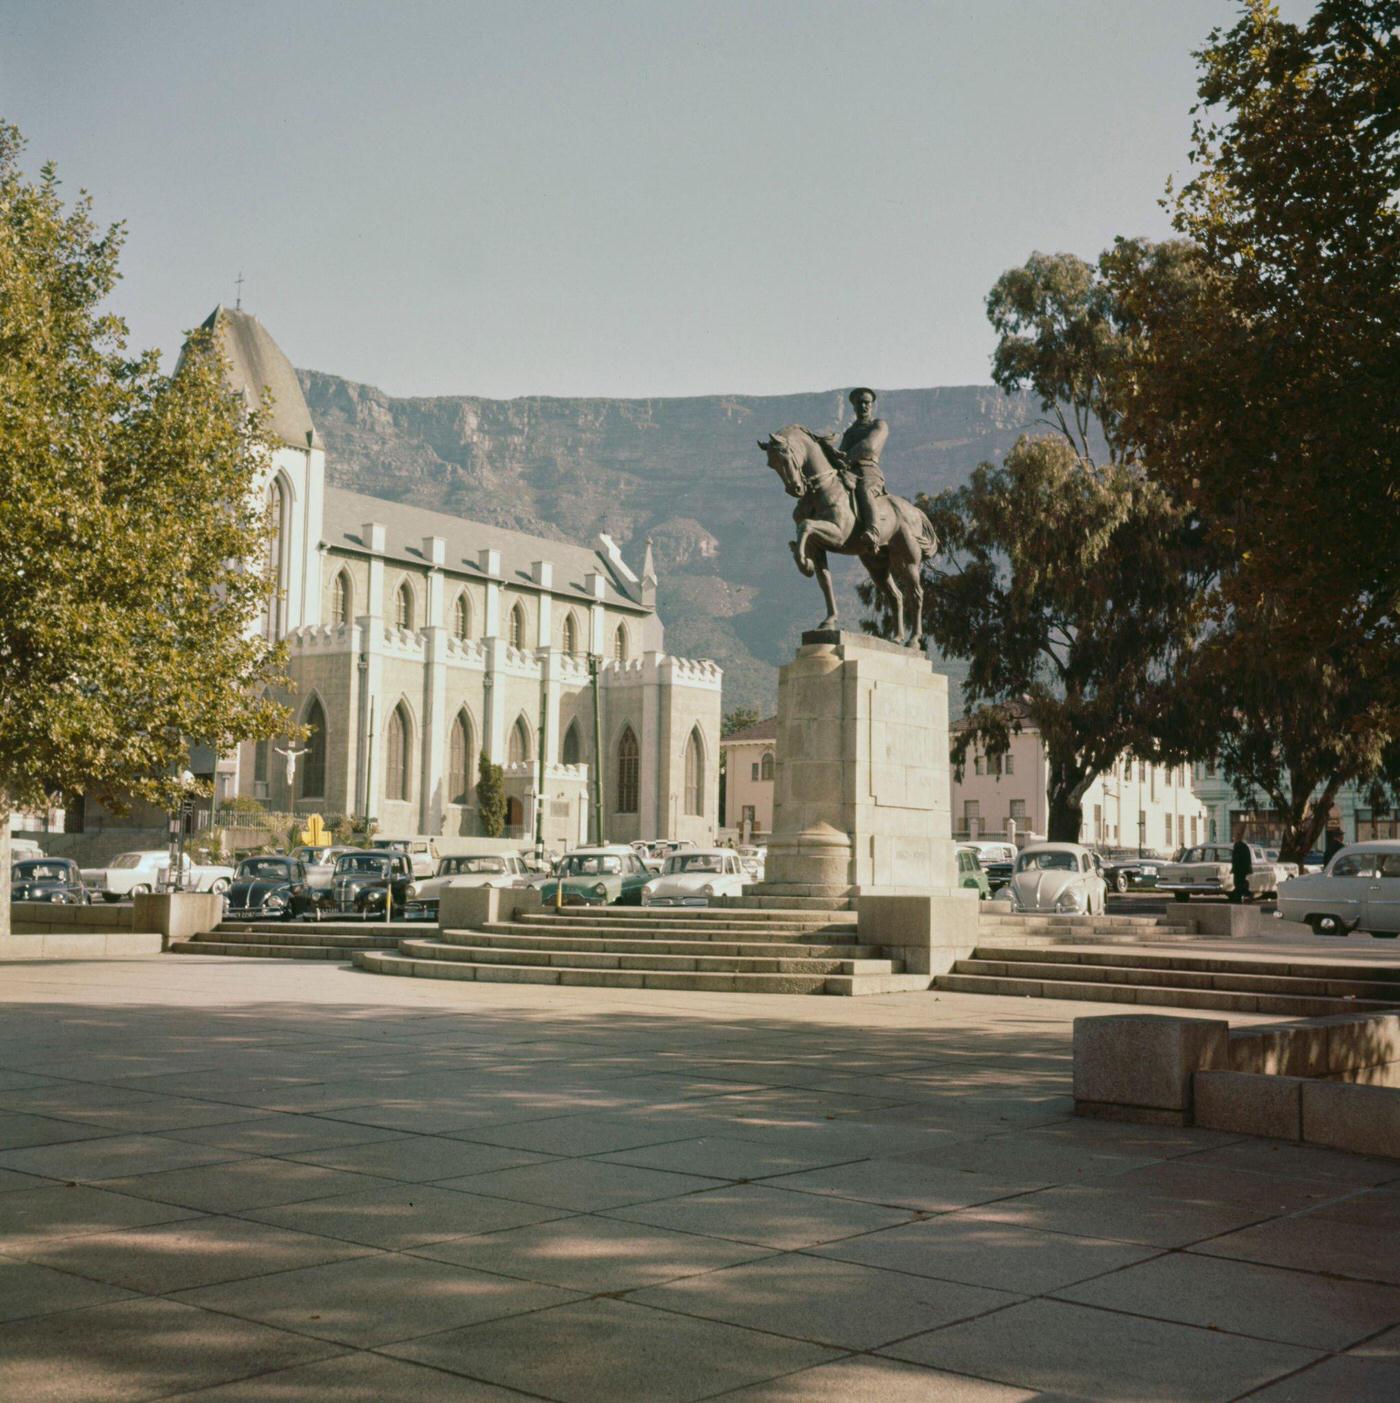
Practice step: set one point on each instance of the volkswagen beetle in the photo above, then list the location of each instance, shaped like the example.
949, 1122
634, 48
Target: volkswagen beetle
1057, 879
270, 889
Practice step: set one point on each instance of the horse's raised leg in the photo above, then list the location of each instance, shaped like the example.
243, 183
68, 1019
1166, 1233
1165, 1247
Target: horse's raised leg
824, 579
907, 565
799, 548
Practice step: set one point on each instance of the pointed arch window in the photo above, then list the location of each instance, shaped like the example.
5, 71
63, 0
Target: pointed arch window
462, 618
570, 644
695, 774
397, 767
572, 751
620, 648
403, 606
459, 760
313, 763
279, 515
518, 752
342, 599
765, 768
628, 772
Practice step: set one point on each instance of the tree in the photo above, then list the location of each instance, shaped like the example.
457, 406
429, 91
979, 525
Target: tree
740, 719
1269, 402
490, 798
130, 529
1065, 577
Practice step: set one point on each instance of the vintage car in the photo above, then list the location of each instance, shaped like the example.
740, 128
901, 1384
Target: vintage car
270, 889
54, 879
421, 852
363, 880
970, 873
1205, 871
1358, 890
1129, 871
692, 877
134, 873
1057, 879
470, 870
753, 860
606, 876
320, 864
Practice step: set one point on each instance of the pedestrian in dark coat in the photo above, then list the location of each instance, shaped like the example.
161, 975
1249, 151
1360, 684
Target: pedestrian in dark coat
1241, 865
1335, 844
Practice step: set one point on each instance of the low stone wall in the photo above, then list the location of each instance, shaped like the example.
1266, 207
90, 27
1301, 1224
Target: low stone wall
52, 917
1320, 1081
50, 930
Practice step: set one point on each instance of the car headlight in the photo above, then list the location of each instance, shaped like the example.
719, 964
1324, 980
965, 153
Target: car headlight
1070, 901
708, 889
410, 891
600, 889
646, 895
276, 901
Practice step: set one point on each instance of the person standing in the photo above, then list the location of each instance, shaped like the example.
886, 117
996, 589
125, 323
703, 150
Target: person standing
1241, 865
1335, 843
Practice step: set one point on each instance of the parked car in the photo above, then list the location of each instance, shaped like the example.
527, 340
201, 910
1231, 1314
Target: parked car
1205, 871
364, 877
991, 850
421, 852
1358, 890
470, 870
1285, 870
694, 876
54, 879
1126, 871
1314, 861
606, 876
970, 873
196, 876
1057, 878
319, 863
23, 848
754, 860
148, 870
270, 889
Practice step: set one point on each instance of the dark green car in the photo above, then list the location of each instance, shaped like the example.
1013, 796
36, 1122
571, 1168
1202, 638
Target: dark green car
612, 876
970, 873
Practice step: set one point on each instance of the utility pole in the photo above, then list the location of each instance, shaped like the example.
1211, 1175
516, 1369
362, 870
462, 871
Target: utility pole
596, 775
539, 783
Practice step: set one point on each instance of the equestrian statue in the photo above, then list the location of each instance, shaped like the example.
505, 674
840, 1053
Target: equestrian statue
842, 506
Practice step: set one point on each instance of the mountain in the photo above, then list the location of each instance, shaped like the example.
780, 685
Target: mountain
685, 473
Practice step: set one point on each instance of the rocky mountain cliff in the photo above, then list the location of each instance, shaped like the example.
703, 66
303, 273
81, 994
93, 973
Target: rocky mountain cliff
686, 473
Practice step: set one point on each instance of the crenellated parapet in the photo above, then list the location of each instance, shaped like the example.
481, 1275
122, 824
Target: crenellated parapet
661, 669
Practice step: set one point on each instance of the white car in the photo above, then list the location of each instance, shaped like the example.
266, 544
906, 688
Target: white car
1057, 879
422, 852
988, 851
130, 874
694, 875
1205, 871
471, 870
1358, 890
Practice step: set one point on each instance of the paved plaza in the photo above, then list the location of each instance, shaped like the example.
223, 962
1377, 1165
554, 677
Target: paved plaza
246, 1181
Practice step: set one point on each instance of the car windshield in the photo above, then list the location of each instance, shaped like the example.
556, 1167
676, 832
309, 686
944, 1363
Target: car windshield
261, 869
311, 854
694, 862
474, 866
362, 863
1047, 862
591, 865
127, 860
39, 872
398, 845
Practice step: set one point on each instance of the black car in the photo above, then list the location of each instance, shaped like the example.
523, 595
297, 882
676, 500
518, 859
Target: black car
270, 889
1126, 871
55, 879
998, 875
362, 880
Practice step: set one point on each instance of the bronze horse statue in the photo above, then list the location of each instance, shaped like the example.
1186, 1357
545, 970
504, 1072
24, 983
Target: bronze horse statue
826, 521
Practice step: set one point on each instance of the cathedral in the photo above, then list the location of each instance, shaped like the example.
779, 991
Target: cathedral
419, 641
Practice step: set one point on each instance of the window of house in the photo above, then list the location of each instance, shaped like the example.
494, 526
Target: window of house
403, 606
1009, 767
753, 770
570, 643
977, 765
462, 617
397, 767
766, 768
459, 760
628, 772
313, 763
572, 751
516, 636
1142, 772
341, 599
695, 774
260, 762
1098, 822
1018, 810
620, 644
1195, 837
1181, 830
1168, 839
518, 751
994, 764
972, 817
279, 514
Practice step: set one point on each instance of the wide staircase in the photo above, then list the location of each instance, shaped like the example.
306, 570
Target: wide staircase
290, 940
761, 951
1044, 966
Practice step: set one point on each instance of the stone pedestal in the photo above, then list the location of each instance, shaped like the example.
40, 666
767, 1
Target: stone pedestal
861, 797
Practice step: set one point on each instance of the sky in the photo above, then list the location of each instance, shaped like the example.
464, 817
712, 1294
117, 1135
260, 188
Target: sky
606, 197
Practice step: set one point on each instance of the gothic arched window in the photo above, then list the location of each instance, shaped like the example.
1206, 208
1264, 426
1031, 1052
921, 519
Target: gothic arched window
765, 768
628, 773
462, 618
695, 774
397, 755
518, 752
517, 627
313, 763
279, 513
572, 751
570, 644
459, 760
620, 644
342, 599
403, 606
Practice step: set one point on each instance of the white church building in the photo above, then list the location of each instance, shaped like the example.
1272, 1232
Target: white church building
419, 641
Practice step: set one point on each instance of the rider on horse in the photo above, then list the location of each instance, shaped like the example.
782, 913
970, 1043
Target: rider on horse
857, 459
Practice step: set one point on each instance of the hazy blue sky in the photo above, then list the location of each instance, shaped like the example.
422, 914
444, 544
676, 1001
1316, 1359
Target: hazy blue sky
611, 197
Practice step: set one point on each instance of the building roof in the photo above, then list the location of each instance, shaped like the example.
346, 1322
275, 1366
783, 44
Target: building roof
760, 730
258, 365
346, 513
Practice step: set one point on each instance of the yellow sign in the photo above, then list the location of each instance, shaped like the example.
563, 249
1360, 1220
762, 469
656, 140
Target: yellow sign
314, 834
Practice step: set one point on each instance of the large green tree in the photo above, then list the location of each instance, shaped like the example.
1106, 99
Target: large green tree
1269, 401
130, 530
1065, 577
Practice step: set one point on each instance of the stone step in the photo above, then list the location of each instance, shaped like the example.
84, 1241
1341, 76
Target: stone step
381, 962
601, 959
699, 915
1068, 922
318, 927
729, 934
261, 952
637, 944
1211, 963
373, 937
1159, 996
833, 904
1258, 980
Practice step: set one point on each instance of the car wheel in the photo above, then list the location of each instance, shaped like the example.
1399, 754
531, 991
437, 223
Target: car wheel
1326, 925
1120, 882
140, 891
1384, 934
109, 896
1181, 896
220, 886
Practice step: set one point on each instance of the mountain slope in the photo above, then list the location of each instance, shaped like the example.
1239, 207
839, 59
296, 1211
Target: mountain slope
686, 473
